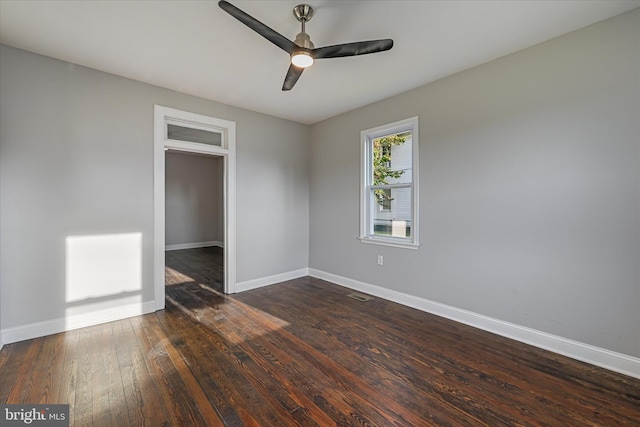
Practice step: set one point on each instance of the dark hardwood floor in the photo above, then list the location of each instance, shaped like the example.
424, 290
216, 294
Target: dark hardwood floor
303, 353
203, 265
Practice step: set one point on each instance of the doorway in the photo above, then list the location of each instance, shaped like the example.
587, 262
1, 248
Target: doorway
189, 133
194, 219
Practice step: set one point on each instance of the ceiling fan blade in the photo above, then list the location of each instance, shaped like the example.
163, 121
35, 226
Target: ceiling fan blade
352, 49
273, 36
293, 74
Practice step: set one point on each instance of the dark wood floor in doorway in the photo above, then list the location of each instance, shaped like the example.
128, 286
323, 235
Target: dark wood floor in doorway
301, 353
199, 265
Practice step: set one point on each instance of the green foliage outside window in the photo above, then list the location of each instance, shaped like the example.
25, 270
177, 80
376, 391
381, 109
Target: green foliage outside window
382, 165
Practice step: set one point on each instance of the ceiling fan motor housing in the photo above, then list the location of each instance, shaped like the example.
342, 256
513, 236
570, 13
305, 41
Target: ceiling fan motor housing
303, 40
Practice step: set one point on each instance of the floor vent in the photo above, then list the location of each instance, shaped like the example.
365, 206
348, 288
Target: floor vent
359, 297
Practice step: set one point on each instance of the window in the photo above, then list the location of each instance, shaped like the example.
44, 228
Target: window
389, 189
193, 134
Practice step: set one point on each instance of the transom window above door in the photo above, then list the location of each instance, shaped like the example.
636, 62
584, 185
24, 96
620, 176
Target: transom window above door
191, 134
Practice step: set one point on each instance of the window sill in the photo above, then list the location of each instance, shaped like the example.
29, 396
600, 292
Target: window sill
396, 243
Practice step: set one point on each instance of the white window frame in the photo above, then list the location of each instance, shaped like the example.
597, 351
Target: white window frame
366, 177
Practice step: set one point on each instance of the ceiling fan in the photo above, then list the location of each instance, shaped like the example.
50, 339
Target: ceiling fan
302, 51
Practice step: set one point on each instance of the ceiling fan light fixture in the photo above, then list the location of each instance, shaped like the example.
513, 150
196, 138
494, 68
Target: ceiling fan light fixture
302, 58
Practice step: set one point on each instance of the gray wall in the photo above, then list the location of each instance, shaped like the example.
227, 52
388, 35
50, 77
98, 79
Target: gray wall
529, 189
194, 203
76, 158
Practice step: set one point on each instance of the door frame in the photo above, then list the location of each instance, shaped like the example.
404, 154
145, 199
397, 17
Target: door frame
162, 117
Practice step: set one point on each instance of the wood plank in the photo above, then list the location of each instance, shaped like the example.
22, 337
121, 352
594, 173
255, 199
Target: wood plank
45, 374
11, 357
101, 411
174, 391
201, 401
146, 360
21, 377
113, 375
144, 395
81, 413
125, 344
65, 383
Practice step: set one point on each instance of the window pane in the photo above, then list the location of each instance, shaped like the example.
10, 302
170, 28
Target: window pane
391, 212
181, 133
392, 159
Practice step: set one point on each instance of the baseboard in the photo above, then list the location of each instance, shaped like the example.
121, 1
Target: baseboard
597, 356
49, 327
270, 280
193, 245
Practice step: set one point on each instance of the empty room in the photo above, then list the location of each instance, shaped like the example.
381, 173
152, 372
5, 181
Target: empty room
333, 213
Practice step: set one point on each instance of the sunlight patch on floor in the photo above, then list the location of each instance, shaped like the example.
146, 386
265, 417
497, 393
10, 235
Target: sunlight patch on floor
230, 318
174, 277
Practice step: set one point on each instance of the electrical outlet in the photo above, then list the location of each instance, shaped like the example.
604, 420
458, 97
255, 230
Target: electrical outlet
380, 260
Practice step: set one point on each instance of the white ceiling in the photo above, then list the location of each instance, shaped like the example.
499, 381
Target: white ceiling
196, 48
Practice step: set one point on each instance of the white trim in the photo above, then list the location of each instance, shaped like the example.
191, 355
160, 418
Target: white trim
230, 209
389, 242
64, 324
227, 129
194, 147
597, 356
158, 207
180, 246
366, 215
270, 280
